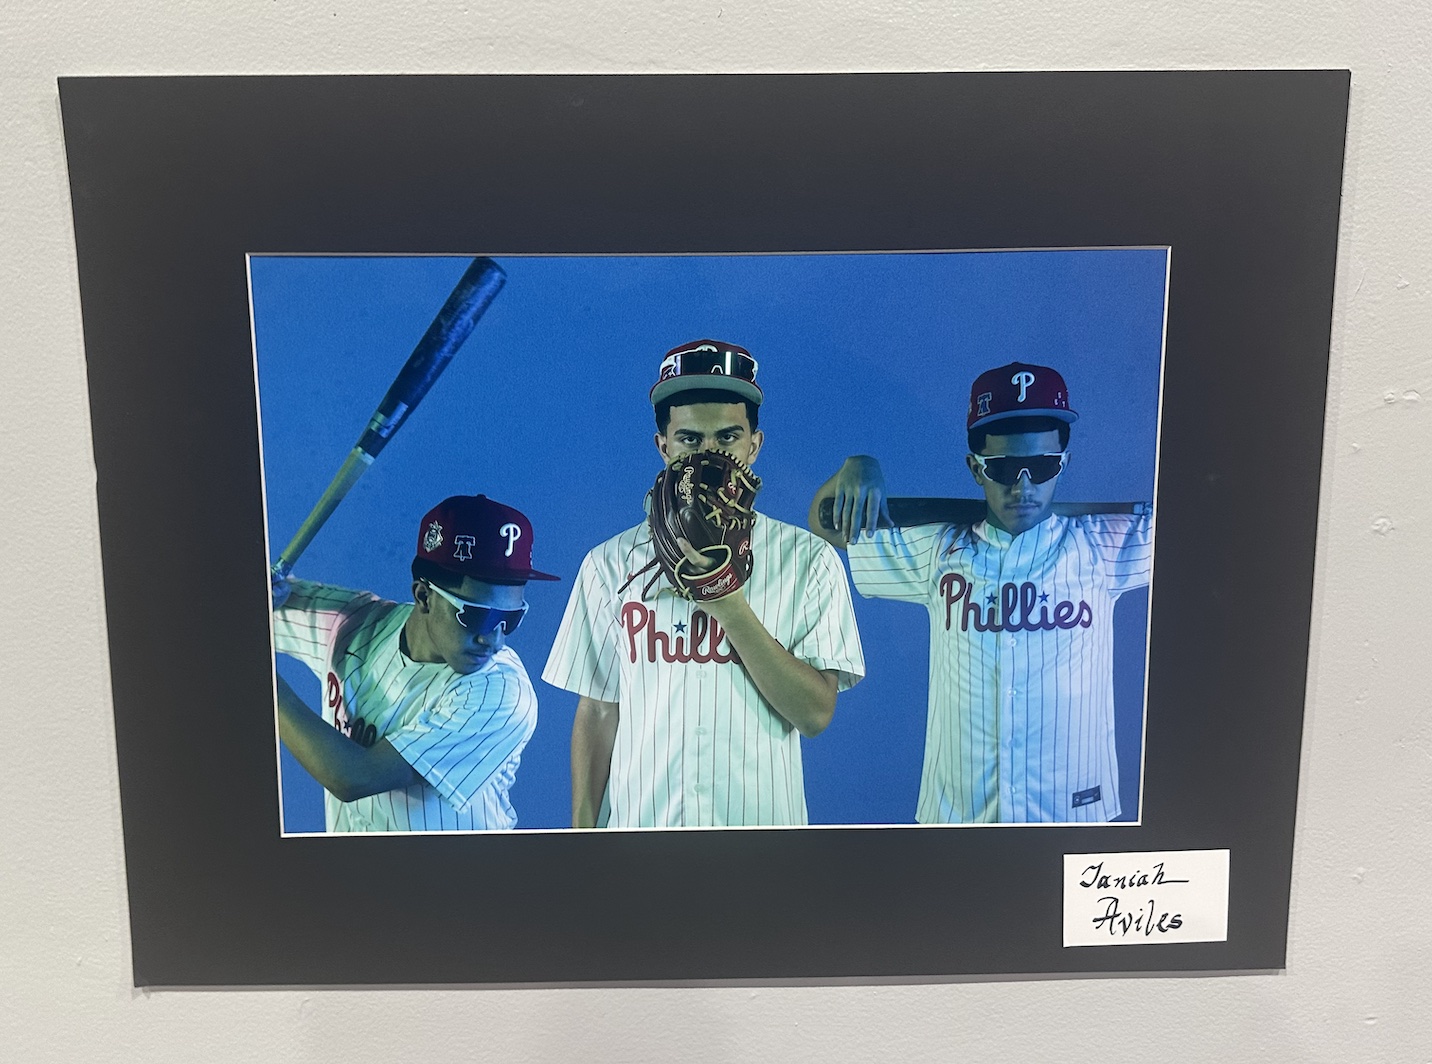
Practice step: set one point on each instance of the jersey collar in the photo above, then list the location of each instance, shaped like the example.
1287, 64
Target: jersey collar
998, 537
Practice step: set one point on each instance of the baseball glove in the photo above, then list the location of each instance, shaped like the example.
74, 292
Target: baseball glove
705, 498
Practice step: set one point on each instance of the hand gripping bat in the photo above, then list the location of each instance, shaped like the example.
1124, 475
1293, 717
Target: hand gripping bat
467, 302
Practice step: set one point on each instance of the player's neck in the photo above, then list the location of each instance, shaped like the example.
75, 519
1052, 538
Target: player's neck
1019, 529
413, 641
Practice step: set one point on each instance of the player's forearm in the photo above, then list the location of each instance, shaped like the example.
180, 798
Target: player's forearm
803, 696
342, 767
594, 733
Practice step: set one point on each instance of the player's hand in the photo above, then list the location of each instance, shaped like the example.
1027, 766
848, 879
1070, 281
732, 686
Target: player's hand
860, 503
280, 588
704, 563
697, 560
701, 563
723, 607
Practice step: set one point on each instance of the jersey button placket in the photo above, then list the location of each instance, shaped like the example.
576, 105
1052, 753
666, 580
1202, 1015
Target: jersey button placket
698, 743
1006, 643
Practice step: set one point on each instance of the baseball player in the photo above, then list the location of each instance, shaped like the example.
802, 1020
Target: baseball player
1021, 603
426, 710
691, 714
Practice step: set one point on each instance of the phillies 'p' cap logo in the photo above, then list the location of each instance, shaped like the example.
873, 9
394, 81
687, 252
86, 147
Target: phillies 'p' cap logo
462, 547
1019, 390
512, 533
1024, 379
434, 539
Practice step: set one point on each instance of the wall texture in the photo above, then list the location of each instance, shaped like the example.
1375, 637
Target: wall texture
1357, 981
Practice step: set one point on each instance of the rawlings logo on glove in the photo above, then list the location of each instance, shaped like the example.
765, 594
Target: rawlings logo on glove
707, 499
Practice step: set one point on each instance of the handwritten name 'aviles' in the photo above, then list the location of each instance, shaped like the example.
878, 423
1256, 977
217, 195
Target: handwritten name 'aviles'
1147, 918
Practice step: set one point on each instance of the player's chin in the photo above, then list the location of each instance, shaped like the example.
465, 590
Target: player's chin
469, 661
1021, 516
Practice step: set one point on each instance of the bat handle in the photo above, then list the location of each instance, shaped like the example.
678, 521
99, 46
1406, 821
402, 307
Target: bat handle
354, 466
827, 514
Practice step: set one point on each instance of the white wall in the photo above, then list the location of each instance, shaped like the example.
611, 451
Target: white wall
1357, 986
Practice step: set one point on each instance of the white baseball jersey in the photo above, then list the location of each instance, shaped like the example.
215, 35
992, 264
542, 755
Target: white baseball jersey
463, 734
1021, 712
697, 744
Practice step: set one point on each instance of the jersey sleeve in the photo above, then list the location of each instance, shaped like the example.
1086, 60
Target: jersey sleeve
1125, 545
478, 725
307, 623
583, 659
828, 639
897, 563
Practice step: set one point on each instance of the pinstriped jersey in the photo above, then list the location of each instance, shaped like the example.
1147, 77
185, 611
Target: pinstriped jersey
463, 734
697, 745
1021, 705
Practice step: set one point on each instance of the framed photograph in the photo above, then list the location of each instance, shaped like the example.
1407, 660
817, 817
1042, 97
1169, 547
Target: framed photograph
903, 260
516, 417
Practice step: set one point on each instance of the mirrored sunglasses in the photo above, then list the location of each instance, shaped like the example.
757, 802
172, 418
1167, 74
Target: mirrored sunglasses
482, 619
731, 363
1006, 469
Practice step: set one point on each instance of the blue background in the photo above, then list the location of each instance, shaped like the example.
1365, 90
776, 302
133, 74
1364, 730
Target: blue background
546, 408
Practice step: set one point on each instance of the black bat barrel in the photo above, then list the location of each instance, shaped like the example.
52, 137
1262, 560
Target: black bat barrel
478, 286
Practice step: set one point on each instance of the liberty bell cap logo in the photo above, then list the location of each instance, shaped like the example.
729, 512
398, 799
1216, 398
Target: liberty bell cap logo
1018, 390
472, 535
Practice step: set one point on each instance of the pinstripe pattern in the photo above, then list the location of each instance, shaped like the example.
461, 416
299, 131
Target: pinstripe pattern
1021, 710
697, 744
463, 734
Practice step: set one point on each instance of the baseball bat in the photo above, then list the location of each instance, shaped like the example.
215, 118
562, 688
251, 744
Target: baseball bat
467, 302
908, 511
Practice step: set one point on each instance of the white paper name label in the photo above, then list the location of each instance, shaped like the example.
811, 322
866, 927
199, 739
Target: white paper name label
1128, 899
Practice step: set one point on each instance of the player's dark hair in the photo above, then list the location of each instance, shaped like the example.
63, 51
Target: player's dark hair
703, 395
1014, 426
424, 569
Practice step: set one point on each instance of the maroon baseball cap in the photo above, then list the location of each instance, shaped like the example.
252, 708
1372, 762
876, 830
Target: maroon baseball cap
471, 535
1019, 390
707, 364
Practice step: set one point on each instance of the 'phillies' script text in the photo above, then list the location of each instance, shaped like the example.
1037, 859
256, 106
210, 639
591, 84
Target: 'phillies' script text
1023, 607
701, 644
